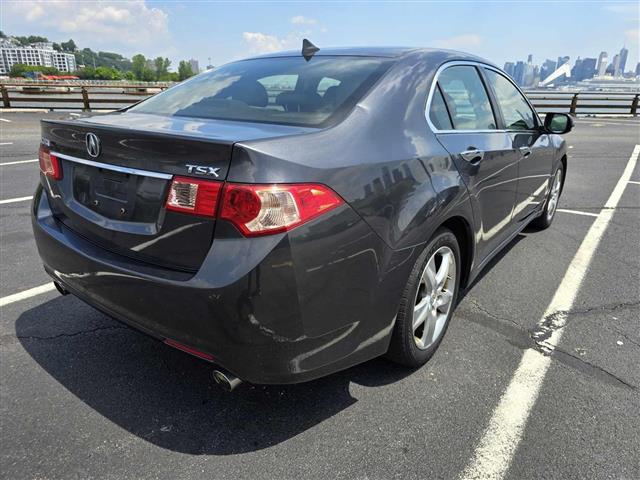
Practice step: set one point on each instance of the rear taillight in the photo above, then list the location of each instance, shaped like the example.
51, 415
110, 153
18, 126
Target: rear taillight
264, 209
49, 163
253, 209
192, 195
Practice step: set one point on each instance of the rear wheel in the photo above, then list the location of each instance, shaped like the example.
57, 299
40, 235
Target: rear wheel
427, 302
551, 205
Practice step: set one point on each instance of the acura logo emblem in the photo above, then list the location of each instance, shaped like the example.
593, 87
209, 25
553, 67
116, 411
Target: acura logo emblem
93, 144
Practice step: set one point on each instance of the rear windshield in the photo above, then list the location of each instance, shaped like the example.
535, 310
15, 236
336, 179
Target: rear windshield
286, 90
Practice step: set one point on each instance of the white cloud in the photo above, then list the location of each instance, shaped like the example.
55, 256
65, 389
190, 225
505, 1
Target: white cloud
460, 41
110, 22
633, 36
264, 43
302, 20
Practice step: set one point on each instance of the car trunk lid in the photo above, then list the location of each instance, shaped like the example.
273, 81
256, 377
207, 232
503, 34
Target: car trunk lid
116, 198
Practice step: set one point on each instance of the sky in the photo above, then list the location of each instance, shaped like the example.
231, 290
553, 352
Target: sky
218, 32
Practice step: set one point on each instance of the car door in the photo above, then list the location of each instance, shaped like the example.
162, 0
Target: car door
531, 143
462, 117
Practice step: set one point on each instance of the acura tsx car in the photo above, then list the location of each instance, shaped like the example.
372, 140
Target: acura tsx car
288, 216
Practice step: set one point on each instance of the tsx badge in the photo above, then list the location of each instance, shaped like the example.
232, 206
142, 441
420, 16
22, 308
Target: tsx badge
203, 170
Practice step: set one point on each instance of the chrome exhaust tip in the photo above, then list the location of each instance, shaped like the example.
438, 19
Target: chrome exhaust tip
227, 381
63, 291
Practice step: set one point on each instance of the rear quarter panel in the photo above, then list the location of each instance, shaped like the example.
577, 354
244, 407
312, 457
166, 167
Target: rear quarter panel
382, 159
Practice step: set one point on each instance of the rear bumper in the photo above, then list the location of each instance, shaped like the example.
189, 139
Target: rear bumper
278, 309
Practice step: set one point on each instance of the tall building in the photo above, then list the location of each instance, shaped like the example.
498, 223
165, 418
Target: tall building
518, 73
509, 68
40, 54
576, 70
548, 67
616, 65
624, 53
195, 66
638, 69
529, 75
602, 64
588, 68
562, 61
530, 58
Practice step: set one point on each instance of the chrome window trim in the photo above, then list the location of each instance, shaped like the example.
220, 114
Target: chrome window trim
115, 168
478, 64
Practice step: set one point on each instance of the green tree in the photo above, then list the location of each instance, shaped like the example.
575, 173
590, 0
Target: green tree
31, 39
162, 68
19, 70
148, 75
57, 47
184, 70
69, 46
138, 65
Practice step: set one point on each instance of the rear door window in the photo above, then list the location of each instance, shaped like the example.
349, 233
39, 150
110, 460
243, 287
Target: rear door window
516, 111
466, 98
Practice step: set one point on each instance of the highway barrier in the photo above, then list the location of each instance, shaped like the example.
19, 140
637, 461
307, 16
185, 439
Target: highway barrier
73, 96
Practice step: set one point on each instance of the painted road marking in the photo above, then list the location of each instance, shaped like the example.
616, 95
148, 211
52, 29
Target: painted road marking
496, 448
634, 182
14, 200
6, 143
577, 212
5, 120
32, 292
17, 162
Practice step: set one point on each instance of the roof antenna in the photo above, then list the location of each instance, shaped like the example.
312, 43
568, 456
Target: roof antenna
308, 49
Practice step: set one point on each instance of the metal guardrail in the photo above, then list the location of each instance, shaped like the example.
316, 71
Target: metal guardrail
54, 96
585, 103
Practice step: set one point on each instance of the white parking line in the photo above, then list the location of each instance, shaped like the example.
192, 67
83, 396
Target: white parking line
14, 200
17, 162
32, 292
497, 446
5, 120
6, 143
634, 182
577, 212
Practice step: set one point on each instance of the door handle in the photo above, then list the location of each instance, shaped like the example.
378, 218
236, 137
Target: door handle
525, 151
472, 155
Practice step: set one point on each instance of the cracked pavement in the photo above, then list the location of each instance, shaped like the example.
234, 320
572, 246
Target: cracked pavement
82, 396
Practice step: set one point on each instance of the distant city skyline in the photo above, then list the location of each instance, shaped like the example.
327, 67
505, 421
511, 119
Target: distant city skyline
530, 73
225, 31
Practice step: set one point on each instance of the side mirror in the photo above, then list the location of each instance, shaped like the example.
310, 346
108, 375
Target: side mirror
558, 123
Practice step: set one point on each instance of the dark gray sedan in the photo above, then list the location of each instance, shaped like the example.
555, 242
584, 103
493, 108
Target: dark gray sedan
291, 215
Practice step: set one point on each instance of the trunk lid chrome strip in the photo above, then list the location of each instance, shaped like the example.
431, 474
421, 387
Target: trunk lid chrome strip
116, 168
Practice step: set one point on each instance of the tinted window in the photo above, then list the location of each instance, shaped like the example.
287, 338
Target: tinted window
272, 90
516, 111
438, 112
466, 98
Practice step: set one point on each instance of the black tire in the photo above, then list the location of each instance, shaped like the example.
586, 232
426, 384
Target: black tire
403, 348
545, 219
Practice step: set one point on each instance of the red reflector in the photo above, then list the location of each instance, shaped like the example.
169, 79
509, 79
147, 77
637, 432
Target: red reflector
49, 164
266, 209
188, 349
195, 196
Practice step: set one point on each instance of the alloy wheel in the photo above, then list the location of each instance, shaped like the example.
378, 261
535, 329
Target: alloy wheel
554, 195
434, 298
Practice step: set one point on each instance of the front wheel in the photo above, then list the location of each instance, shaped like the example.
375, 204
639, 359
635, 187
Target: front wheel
427, 302
551, 205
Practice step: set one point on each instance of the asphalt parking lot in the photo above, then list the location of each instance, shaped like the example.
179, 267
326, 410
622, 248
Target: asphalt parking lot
82, 396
